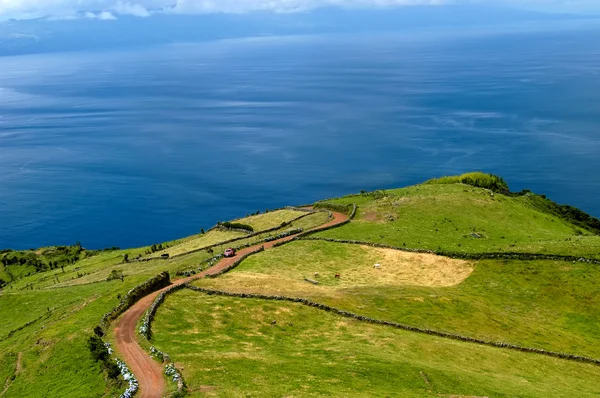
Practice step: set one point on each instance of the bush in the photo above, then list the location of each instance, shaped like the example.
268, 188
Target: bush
98, 349
475, 179
236, 225
571, 214
98, 331
115, 274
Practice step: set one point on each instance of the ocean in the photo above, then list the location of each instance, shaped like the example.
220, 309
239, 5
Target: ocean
132, 147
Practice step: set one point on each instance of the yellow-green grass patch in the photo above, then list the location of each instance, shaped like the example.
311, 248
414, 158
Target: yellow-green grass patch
261, 222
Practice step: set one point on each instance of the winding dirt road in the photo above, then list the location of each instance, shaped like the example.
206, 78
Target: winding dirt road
147, 371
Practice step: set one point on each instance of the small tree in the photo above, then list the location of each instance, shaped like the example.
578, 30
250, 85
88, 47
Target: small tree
115, 274
98, 331
126, 257
97, 349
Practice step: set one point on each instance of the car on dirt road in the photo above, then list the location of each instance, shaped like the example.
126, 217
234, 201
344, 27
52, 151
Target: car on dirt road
229, 252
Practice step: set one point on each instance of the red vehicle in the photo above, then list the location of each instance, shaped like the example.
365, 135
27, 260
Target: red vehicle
229, 252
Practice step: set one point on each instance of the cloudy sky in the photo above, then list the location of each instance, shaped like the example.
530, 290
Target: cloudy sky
110, 9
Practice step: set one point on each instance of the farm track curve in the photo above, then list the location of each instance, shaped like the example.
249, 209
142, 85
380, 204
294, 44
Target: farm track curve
147, 371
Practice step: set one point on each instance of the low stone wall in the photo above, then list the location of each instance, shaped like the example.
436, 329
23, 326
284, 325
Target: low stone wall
321, 229
353, 212
570, 357
464, 256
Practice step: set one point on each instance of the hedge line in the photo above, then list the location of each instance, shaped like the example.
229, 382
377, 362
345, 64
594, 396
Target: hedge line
430, 332
464, 256
151, 285
146, 328
321, 229
230, 240
345, 209
281, 208
235, 226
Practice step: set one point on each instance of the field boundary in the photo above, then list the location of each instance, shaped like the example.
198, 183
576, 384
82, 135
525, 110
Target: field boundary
125, 333
458, 255
25, 325
446, 335
276, 228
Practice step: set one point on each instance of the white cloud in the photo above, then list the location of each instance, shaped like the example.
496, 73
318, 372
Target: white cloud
143, 8
103, 16
131, 9
106, 16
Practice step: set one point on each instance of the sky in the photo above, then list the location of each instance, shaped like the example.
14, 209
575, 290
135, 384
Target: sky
111, 9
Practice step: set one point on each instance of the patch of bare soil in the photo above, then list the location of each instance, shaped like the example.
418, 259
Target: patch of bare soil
370, 216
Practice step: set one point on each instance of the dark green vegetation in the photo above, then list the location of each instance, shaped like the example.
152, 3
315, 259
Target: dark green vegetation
236, 225
475, 179
233, 347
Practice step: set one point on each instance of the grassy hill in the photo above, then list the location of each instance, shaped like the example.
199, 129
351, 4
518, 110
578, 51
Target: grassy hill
54, 297
456, 217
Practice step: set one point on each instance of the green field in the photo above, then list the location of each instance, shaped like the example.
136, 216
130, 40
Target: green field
272, 219
231, 347
57, 309
553, 305
462, 218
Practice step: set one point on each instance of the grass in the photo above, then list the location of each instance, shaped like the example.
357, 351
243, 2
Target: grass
232, 344
232, 347
198, 242
259, 222
273, 219
552, 305
64, 308
462, 218
56, 361
475, 179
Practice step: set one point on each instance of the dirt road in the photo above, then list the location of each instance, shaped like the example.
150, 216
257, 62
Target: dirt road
148, 372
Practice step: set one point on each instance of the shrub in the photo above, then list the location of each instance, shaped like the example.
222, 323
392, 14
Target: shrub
571, 214
236, 225
475, 179
97, 348
115, 274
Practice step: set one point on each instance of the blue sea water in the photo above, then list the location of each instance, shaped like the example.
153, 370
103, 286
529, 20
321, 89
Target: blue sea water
139, 146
